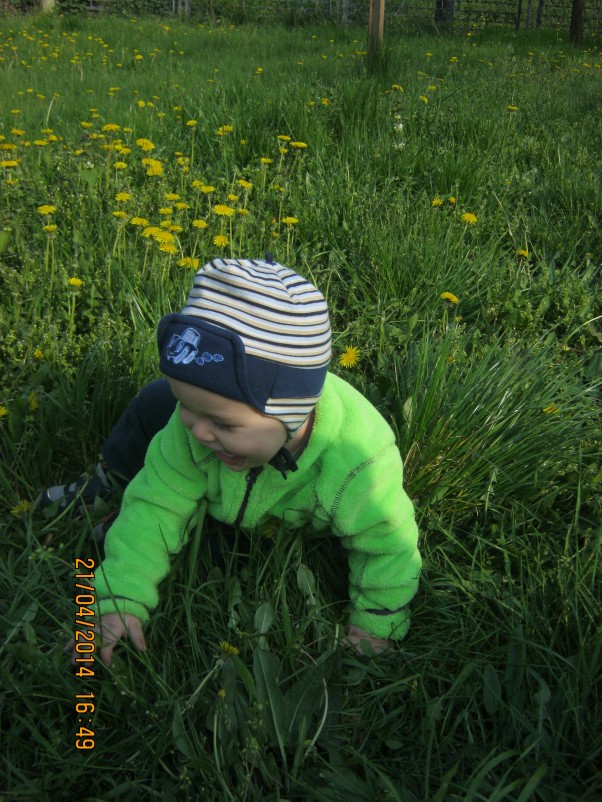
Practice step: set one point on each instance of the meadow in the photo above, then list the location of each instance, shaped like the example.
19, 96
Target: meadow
445, 196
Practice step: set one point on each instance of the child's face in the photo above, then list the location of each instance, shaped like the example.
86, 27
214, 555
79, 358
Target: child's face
241, 437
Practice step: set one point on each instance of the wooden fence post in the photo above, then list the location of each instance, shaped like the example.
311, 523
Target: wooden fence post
376, 23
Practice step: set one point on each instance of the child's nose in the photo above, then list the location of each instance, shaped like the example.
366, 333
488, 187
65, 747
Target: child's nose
201, 429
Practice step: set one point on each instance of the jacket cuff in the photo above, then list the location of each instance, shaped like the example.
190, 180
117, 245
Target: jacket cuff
122, 606
385, 624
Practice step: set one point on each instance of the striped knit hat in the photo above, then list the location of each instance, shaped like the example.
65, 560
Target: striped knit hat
254, 331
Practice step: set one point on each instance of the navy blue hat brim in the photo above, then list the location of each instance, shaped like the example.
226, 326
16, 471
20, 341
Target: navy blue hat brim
197, 352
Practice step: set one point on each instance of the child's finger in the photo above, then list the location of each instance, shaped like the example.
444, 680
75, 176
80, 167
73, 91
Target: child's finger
136, 635
106, 653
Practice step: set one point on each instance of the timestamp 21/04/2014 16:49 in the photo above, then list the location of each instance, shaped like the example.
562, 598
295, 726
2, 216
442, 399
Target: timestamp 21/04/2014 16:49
84, 648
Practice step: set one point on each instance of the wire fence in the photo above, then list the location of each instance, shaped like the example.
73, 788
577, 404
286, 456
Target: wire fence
400, 14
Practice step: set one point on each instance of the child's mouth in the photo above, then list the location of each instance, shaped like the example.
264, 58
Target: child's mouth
227, 458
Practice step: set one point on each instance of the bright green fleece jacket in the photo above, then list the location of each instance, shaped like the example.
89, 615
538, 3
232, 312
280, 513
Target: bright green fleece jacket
349, 481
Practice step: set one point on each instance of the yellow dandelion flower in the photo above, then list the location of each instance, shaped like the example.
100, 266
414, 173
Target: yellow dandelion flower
151, 231
228, 649
299, 145
85, 124
522, 253
290, 221
232, 197
424, 98
245, 184
243, 212
350, 357
325, 101
120, 165
207, 189
38, 354
200, 223
3, 411
111, 127
18, 132
265, 160
192, 123
221, 240
121, 197
181, 205
189, 261
469, 217
21, 509
145, 144
397, 87
8, 163
284, 151
171, 196
162, 236
139, 221
223, 211
154, 166
451, 200
165, 210
75, 282
436, 202
50, 228
46, 209
449, 296
168, 247
284, 137
119, 214
512, 108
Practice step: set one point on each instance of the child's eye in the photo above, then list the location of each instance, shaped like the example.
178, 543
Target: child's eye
224, 426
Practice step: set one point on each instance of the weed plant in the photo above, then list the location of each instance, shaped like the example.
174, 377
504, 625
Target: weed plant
445, 196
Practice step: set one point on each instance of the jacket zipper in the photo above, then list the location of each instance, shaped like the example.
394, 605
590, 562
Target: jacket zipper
251, 478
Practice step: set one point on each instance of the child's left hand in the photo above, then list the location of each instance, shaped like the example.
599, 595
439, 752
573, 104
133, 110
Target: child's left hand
356, 636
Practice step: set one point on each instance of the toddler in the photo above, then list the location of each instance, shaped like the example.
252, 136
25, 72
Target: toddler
259, 430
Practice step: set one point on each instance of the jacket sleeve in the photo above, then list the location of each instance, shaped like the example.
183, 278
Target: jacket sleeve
158, 508
375, 519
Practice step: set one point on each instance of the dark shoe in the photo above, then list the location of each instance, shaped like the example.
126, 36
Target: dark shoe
99, 532
84, 490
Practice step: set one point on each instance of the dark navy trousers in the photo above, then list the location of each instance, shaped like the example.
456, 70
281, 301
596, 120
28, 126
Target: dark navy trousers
147, 413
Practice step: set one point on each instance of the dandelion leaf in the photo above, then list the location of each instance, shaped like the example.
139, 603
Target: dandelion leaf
264, 618
306, 582
306, 696
266, 668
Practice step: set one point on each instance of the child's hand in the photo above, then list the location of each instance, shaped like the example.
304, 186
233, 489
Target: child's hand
112, 628
355, 636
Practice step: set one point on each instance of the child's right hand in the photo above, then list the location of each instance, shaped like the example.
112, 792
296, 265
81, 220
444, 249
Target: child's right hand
112, 628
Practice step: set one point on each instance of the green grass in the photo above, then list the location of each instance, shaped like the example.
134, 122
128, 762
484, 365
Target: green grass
495, 693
